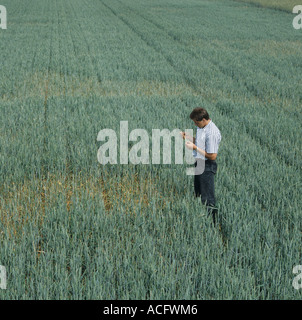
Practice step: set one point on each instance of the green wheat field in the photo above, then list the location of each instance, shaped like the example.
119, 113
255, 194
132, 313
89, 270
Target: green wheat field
71, 228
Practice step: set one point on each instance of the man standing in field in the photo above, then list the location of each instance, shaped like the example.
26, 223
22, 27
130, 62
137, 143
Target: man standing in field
205, 148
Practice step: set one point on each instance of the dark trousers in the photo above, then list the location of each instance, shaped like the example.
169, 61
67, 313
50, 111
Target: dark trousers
204, 186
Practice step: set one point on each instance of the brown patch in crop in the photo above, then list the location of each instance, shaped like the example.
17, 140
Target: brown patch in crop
32, 200
19, 204
130, 192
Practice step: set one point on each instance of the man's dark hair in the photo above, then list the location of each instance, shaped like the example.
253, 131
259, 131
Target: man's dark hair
199, 113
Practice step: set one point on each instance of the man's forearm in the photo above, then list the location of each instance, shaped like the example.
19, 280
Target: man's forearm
200, 151
210, 156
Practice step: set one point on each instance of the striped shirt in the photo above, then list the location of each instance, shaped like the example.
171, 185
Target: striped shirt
208, 139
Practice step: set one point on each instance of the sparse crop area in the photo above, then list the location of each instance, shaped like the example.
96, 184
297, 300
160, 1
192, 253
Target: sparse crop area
71, 228
286, 5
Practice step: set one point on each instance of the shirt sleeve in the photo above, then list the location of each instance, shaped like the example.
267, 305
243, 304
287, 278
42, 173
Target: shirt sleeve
212, 142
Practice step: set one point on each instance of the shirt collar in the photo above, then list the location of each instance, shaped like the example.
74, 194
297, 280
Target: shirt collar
206, 125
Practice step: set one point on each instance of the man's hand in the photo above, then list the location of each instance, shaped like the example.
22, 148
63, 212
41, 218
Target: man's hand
183, 134
186, 136
190, 145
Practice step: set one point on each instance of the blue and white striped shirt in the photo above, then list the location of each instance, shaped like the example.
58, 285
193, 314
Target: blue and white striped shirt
208, 139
